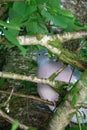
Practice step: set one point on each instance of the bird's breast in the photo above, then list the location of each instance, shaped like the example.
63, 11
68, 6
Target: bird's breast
47, 70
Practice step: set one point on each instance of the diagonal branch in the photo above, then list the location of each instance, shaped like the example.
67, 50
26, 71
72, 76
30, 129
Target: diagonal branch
11, 120
63, 54
54, 75
10, 95
66, 110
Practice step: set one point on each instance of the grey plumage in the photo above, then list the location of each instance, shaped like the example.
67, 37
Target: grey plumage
46, 68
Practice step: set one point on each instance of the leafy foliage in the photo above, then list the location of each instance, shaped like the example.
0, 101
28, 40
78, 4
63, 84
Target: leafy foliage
33, 17
37, 13
13, 40
83, 52
11, 26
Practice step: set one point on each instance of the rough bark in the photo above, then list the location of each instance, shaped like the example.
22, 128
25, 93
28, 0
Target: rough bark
66, 110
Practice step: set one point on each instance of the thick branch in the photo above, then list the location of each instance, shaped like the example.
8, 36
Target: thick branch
71, 36
25, 40
66, 110
63, 54
31, 79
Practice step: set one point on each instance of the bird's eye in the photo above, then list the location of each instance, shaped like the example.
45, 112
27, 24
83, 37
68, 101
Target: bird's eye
39, 54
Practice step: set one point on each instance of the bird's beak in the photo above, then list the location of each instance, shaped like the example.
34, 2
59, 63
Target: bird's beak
47, 54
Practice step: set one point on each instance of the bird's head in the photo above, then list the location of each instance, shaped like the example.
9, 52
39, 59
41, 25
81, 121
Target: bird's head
42, 57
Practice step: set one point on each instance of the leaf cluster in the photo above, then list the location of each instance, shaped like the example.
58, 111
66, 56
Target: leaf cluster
33, 17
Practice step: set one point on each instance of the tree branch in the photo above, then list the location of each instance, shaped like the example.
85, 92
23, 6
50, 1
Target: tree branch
63, 54
31, 79
28, 97
66, 110
54, 75
10, 95
25, 40
81, 46
11, 120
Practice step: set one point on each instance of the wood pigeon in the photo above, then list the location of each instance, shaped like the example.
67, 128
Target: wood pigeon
46, 67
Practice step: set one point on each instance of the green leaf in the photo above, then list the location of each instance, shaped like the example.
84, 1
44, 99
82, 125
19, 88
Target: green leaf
36, 28
77, 28
14, 32
25, 8
32, 128
30, 9
74, 99
65, 12
41, 2
77, 116
9, 25
53, 4
19, 8
57, 20
54, 7
13, 40
1, 81
15, 125
75, 92
14, 17
66, 21
78, 23
32, 2
76, 127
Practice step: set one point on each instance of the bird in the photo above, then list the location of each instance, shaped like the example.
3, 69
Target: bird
46, 67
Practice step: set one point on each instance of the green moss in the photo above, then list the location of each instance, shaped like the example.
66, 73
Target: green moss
39, 36
55, 43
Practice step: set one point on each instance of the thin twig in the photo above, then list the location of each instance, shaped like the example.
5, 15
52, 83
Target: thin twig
28, 97
79, 49
11, 120
71, 74
53, 76
11, 93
